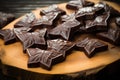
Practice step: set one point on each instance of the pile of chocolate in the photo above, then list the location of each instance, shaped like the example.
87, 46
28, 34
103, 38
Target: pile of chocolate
49, 39
5, 18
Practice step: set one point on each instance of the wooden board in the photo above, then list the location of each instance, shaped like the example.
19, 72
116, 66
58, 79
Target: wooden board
12, 55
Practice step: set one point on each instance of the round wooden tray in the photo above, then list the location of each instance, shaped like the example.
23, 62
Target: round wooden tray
12, 56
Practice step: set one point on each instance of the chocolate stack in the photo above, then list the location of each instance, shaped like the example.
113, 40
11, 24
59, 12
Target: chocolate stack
49, 39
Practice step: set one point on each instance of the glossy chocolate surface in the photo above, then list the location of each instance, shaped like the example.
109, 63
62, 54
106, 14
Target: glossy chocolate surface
33, 39
43, 58
65, 18
91, 46
100, 23
8, 36
27, 19
85, 13
25, 23
104, 7
76, 4
112, 36
53, 9
65, 30
101, 7
61, 46
47, 21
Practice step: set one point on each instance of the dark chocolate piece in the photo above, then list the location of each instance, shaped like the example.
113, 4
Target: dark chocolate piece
53, 9
43, 58
91, 46
85, 13
27, 19
100, 23
76, 4
104, 7
65, 18
8, 36
82, 29
102, 19
33, 39
101, 7
25, 22
112, 36
5, 18
34, 57
51, 57
61, 46
65, 30
117, 21
21, 24
47, 21
21, 29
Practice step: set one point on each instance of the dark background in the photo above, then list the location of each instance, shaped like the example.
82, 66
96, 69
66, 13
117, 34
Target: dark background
20, 7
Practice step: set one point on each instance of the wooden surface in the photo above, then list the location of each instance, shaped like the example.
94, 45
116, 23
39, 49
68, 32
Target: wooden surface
13, 57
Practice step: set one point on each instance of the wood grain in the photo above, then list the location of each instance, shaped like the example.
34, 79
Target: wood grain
76, 62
